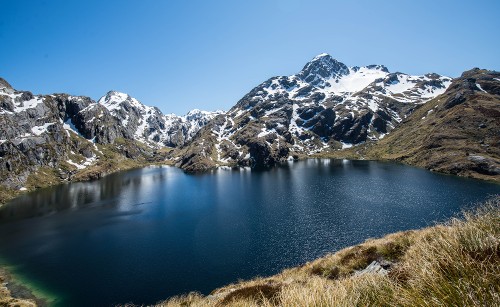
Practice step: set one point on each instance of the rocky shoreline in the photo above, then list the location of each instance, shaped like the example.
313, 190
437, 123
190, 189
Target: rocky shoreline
14, 293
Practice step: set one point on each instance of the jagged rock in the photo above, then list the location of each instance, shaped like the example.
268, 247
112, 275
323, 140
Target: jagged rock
150, 125
60, 131
381, 267
324, 104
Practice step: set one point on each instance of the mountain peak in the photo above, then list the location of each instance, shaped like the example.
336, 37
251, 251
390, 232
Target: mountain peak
4, 84
114, 99
199, 114
322, 67
116, 94
321, 55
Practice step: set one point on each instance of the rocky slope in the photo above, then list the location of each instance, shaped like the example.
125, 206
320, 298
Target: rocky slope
456, 133
61, 137
149, 125
326, 106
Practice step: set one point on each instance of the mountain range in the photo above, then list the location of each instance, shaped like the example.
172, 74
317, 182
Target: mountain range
327, 109
326, 106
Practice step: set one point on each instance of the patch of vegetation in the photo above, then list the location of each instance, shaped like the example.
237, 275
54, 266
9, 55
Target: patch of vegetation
6, 194
6, 296
43, 177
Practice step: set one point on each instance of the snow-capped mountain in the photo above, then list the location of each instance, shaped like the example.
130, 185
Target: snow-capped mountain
326, 105
150, 125
62, 132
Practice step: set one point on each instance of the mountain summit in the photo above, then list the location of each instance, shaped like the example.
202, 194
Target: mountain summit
322, 67
326, 106
149, 125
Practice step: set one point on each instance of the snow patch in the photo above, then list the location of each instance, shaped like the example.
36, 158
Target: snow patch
38, 130
69, 126
346, 145
372, 105
480, 88
30, 104
88, 162
404, 83
355, 81
23, 105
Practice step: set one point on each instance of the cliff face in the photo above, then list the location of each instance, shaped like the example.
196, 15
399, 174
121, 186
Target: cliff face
456, 133
47, 139
60, 132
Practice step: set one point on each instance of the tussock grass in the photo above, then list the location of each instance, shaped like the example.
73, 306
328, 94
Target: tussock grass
453, 264
457, 264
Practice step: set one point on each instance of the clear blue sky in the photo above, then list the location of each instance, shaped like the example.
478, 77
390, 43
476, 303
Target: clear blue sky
180, 55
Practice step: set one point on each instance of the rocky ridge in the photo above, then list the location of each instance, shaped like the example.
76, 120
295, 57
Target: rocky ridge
149, 125
456, 133
324, 107
67, 135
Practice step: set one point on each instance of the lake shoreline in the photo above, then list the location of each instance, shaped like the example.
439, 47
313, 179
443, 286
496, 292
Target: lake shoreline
145, 224
389, 270
9, 194
14, 291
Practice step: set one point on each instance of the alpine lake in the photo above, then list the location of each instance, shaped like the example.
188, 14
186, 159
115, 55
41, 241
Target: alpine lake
147, 234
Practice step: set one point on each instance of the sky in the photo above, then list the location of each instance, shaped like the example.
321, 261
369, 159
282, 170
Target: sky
186, 54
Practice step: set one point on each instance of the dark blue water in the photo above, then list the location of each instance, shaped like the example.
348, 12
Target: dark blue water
144, 235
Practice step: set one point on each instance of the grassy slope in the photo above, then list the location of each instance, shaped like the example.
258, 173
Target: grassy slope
446, 139
453, 264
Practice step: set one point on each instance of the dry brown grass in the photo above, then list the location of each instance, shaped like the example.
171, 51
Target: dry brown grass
454, 264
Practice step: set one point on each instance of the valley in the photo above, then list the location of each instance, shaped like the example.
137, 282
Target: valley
325, 110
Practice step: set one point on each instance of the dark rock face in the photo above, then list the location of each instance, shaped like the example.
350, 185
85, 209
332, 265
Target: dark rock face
320, 68
4, 85
455, 100
263, 155
61, 131
149, 125
485, 165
